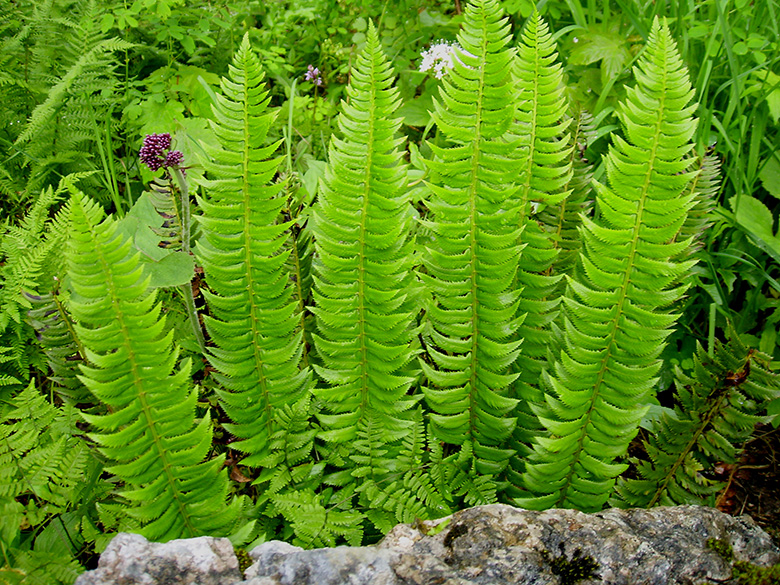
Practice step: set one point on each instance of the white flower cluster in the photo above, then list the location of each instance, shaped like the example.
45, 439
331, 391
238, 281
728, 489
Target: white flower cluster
439, 58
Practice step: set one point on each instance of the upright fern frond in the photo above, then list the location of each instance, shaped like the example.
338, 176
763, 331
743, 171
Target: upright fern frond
616, 321
704, 189
472, 259
565, 217
59, 342
364, 302
254, 317
150, 433
542, 126
719, 404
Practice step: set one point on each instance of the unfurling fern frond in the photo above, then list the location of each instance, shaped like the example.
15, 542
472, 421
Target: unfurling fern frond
471, 262
616, 305
254, 318
364, 301
719, 405
150, 434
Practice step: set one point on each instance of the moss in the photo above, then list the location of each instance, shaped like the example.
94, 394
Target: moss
722, 547
745, 573
244, 560
572, 570
748, 574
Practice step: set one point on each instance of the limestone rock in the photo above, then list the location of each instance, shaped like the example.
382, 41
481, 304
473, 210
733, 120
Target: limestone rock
487, 545
130, 559
501, 545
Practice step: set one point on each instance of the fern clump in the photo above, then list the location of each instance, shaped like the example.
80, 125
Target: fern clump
149, 435
616, 318
254, 319
719, 405
471, 263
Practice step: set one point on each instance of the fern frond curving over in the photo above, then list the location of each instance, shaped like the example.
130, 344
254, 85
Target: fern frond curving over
718, 405
364, 301
254, 318
471, 262
150, 433
616, 316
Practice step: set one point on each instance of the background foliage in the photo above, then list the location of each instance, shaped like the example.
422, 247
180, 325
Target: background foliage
81, 83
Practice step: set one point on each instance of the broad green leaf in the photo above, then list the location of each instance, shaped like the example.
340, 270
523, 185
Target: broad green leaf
757, 221
770, 177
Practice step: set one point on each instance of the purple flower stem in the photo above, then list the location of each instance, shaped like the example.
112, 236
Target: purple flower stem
189, 299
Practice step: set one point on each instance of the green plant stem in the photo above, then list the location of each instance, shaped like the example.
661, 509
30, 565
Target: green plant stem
186, 289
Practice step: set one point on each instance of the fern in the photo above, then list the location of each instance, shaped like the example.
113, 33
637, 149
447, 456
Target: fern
546, 170
364, 301
150, 434
472, 260
565, 218
317, 525
719, 404
615, 322
44, 470
253, 313
704, 188
60, 344
72, 65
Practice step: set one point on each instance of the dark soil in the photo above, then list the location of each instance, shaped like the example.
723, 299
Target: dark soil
753, 485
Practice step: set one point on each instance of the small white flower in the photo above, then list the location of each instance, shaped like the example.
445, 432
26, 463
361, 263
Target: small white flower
438, 58
575, 40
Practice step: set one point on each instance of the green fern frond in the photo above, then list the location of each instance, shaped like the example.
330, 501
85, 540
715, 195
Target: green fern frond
59, 342
704, 187
254, 318
150, 433
471, 262
301, 256
616, 318
44, 467
364, 301
290, 464
544, 184
45, 112
566, 216
317, 525
719, 404
24, 251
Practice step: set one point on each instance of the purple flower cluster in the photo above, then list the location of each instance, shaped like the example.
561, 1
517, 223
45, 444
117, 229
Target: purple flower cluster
313, 75
153, 154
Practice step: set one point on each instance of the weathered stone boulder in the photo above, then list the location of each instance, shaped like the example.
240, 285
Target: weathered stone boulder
499, 545
130, 559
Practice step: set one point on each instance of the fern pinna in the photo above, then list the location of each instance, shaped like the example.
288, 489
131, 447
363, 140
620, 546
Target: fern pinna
717, 409
254, 318
149, 435
616, 318
471, 263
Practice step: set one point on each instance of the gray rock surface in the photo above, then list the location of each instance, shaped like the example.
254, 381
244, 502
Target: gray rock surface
496, 545
130, 559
